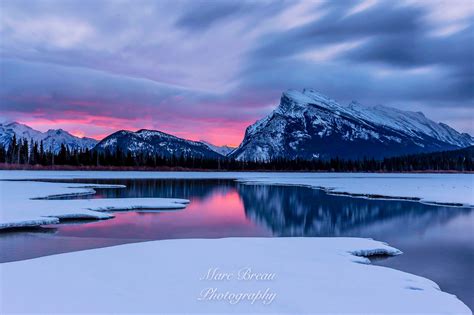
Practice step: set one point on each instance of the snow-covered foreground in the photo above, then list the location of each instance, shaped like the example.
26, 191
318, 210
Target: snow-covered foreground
19, 206
253, 275
430, 188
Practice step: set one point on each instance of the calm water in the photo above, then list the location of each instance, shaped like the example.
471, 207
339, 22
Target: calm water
438, 242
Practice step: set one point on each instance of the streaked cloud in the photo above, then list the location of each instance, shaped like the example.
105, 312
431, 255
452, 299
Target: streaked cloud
206, 69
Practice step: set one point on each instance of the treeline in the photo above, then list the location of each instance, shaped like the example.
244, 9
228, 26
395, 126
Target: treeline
461, 160
24, 152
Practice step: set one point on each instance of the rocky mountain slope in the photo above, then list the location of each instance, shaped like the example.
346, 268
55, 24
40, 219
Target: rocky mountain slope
52, 139
155, 143
222, 150
310, 125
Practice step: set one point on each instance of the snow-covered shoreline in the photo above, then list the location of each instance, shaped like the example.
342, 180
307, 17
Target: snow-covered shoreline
310, 275
436, 189
442, 191
26, 203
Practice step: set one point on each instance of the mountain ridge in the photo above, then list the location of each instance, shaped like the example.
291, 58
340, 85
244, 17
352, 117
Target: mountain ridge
52, 138
154, 142
306, 125
222, 150
311, 125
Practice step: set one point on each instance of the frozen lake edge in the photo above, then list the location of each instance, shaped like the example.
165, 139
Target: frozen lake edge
435, 189
29, 203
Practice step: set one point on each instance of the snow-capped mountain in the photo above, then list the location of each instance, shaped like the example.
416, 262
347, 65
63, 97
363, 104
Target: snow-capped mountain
52, 139
310, 125
155, 143
222, 150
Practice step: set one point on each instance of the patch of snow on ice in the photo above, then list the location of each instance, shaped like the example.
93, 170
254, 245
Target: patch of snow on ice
23, 203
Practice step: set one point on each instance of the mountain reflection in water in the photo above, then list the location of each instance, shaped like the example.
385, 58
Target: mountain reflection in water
297, 211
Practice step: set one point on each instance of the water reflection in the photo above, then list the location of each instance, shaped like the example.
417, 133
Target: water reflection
437, 241
224, 208
294, 211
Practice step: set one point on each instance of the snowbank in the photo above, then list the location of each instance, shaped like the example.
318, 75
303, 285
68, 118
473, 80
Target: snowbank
20, 206
455, 189
253, 275
443, 189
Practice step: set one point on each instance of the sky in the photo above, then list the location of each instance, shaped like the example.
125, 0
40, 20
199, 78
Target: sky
205, 70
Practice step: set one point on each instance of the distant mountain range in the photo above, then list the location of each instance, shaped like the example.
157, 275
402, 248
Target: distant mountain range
142, 141
305, 125
52, 139
309, 125
222, 150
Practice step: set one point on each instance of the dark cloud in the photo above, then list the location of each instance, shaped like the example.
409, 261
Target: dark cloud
227, 62
398, 58
418, 49
203, 14
335, 26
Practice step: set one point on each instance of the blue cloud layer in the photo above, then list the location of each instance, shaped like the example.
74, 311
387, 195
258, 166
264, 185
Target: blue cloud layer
230, 60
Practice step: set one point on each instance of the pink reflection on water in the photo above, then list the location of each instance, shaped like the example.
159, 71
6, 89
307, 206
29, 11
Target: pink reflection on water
221, 214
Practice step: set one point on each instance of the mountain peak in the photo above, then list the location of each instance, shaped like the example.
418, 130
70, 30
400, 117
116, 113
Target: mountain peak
223, 150
144, 130
308, 124
294, 102
57, 132
151, 132
307, 96
52, 139
154, 142
315, 95
15, 124
291, 102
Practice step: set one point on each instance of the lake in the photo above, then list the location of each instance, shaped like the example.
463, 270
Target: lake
437, 241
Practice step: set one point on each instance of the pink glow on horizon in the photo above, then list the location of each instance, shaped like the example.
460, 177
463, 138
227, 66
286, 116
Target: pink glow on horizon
215, 131
175, 115
77, 133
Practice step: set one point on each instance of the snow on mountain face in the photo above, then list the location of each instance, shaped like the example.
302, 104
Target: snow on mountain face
52, 139
7, 130
222, 150
310, 125
155, 143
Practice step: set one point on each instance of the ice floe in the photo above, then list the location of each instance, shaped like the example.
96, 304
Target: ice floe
25, 203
